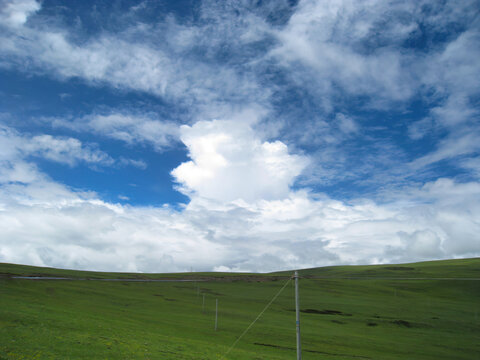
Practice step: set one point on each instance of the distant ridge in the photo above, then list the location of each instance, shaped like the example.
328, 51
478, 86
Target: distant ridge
437, 269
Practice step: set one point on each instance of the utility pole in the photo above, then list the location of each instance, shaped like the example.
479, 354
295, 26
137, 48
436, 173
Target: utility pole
216, 313
297, 311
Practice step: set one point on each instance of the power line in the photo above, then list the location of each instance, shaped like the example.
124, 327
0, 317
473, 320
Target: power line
258, 317
387, 278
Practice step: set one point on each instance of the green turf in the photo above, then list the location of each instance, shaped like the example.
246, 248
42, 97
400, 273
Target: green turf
351, 312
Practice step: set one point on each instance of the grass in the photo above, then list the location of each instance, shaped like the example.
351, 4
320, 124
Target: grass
348, 312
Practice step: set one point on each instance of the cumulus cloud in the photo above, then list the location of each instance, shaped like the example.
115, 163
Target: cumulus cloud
419, 245
83, 232
229, 162
246, 211
232, 222
90, 234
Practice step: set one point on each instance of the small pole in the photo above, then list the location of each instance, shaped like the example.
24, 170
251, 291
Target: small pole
297, 311
203, 303
216, 313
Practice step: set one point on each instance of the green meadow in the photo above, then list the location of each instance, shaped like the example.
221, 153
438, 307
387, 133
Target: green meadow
427, 310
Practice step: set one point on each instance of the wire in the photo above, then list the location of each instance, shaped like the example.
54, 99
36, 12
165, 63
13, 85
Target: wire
387, 278
254, 321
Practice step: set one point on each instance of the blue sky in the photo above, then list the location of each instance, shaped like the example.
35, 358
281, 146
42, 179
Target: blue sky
238, 135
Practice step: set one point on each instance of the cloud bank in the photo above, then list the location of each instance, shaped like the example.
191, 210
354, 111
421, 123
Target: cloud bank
231, 223
307, 98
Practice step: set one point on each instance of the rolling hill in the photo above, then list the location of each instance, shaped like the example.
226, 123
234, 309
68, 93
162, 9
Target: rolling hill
428, 310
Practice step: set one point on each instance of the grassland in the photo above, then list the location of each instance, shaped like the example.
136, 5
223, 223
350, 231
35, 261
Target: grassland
427, 310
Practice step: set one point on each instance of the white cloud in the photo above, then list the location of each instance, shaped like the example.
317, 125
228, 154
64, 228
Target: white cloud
454, 68
331, 39
16, 148
59, 149
159, 59
243, 213
346, 124
354, 45
15, 13
451, 72
473, 165
455, 111
83, 232
18, 171
245, 217
452, 75
462, 142
90, 234
127, 127
64, 150
420, 128
362, 48
419, 245
132, 162
229, 163
344, 49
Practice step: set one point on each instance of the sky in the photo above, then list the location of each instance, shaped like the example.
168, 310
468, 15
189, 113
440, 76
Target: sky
246, 135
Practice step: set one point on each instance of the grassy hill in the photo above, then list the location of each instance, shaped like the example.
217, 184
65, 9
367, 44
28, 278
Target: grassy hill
428, 310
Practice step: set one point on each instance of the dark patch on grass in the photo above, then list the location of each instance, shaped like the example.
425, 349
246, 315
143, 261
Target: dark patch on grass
324, 312
371, 323
399, 268
182, 287
274, 346
376, 316
210, 292
408, 324
167, 352
338, 322
310, 351
403, 323
6, 275
164, 298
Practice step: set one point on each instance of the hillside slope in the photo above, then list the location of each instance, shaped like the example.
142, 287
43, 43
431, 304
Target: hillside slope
427, 310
